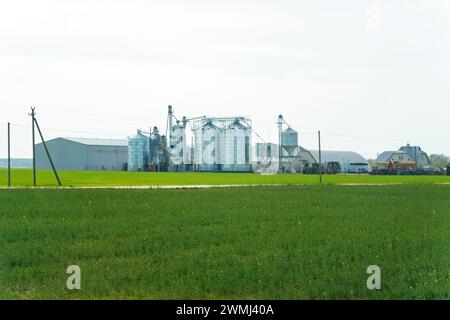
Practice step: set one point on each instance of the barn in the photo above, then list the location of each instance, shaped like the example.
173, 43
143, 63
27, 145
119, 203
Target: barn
84, 154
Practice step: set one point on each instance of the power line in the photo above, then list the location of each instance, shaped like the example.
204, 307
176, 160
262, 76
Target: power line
381, 139
68, 130
307, 133
67, 116
60, 116
254, 131
120, 135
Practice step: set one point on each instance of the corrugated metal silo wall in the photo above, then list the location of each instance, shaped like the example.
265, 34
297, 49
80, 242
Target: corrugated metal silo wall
236, 149
210, 152
178, 153
138, 153
221, 149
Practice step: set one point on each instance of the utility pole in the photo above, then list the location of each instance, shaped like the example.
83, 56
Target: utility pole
33, 114
33, 124
320, 158
280, 147
9, 154
48, 154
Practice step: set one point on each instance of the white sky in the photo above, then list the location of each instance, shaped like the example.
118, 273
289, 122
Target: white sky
358, 69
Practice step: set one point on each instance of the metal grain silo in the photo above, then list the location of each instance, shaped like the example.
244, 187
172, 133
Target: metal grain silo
138, 152
236, 147
289, 140
207, 147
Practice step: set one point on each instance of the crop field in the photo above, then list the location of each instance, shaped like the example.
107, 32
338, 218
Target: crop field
24, 177
284, 242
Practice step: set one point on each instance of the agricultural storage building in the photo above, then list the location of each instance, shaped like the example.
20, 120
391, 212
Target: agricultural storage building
266, 158
394, 156
406, 154
349, 161
417, 155
84, 154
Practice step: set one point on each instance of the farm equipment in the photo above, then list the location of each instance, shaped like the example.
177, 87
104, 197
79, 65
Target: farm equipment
395, 168
333, 168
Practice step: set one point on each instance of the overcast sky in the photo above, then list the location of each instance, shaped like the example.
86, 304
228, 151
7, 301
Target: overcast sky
370, 74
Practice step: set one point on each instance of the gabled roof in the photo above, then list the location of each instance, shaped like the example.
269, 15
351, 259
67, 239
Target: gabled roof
209, 125
339, 156
416, 154
237, 125
99, 142
384, 156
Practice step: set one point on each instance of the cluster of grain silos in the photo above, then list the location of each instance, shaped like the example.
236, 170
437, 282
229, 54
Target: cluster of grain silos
216, 144
147, 152
223, 144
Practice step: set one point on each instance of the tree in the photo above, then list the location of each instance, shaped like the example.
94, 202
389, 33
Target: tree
439, 160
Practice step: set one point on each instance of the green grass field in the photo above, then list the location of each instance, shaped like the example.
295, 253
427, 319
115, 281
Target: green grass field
308, 242
24, 177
